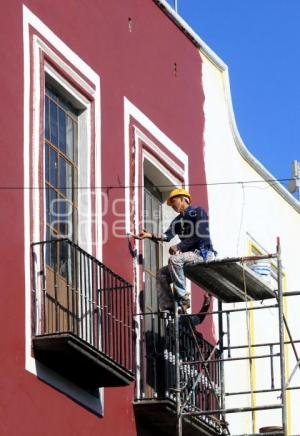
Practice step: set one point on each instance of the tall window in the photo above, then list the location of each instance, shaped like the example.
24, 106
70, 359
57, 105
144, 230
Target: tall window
61, 176
152, 251
61, 166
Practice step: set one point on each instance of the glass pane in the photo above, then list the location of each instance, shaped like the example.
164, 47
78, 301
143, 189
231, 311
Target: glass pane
147, 211
152, 218
63, 222
64, 104
51, 94
147, 306
156, 218
75, 143
153, 294
66, 179
153, 257
53, 209
47, 205
147, 254
62, 130
62, 173
46, 163
53, 253
53, 168
70, 137
69, 182
47, 124
65, 218
65, 257
53, 123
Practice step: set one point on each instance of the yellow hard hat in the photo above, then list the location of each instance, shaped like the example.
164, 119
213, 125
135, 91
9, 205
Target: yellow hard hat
178, 192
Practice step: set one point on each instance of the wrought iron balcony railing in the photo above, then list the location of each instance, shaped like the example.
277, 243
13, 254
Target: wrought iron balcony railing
82, 316
200, 384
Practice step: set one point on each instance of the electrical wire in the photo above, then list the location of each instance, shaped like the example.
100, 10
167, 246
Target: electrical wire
221, 183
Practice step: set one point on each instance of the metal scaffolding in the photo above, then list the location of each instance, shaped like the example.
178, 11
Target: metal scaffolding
223, 280
192, 371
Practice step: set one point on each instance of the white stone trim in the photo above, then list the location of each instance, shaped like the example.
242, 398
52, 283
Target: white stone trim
32, 21
130, 110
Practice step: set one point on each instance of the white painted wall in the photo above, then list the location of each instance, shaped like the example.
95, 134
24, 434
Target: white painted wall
240, 212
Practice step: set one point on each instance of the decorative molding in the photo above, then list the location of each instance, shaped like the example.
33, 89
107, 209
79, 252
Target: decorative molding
37, 53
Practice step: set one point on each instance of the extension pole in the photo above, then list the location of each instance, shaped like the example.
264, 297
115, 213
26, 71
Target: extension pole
281, 338
177, 370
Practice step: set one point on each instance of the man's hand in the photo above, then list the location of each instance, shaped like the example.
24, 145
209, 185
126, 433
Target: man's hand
143, 235
207, 299
173, 249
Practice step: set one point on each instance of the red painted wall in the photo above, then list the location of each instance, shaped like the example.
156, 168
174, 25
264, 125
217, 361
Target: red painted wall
138, 64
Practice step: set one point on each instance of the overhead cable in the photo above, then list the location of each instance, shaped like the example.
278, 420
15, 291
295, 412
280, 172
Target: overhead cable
237, 182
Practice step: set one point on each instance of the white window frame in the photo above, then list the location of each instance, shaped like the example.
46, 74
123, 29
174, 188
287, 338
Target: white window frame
170, 154
39, 40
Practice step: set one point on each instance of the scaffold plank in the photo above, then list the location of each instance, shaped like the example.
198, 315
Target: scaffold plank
229, 280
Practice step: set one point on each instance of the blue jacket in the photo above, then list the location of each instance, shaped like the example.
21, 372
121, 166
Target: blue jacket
193, 230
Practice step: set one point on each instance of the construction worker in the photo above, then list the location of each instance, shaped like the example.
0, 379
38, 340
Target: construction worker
191, 225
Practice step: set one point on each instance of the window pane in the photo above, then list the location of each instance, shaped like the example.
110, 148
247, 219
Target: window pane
69, 182
62, 173
53, 123
62, 130
47, 124
51, 249
60, 165
65, 260
66, 179
53, 209
46, 163
52, 253
75, 143
64, 104
53, 168
47, 205
70, 137
51, 94
65, 218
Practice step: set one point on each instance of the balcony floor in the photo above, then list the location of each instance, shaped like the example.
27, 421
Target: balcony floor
79, 362
160, 417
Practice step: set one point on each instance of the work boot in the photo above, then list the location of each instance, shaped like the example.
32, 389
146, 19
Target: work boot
184, 304
166, 309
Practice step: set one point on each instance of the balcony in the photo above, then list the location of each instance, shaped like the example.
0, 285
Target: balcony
82, 316
200, 385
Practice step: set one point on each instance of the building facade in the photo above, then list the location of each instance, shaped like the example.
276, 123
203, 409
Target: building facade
106, 107
97, 103
260, 210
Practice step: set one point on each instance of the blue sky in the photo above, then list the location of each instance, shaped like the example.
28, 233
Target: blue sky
259, 40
